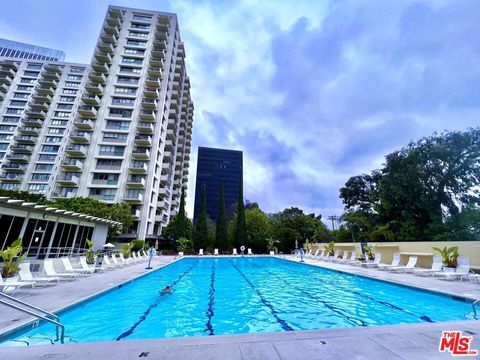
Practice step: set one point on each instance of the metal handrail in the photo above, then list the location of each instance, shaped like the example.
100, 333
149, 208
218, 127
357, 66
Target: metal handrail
56, 323
474, 304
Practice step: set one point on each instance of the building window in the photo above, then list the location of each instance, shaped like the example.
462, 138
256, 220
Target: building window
56, 131
14, 111
136, 43
70, 91
37, 187
21, 95
111, 150
53, 139
118, 125
27, 81
64, 106
41, 177
135, 51
50, 148
72, 84
124, 90
122, 101
44, 167
10, 119
67, 99
109, 164
24, 88
132, 61
59, 122
31, 73
34, 66
74, 77
130, 70
77, 70
18, 103
116, 137
138, 34
140, 26
45, 157
120, 113
7, 128
127, 80
62, 114
107, 179
142, 18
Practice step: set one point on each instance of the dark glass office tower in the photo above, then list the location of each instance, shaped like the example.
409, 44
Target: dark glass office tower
215, 166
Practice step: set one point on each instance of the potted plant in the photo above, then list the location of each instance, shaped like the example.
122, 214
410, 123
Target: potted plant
449, 257
271, 242
90, 253
330, 248
369, 254
127, 249
183, 244
11, 260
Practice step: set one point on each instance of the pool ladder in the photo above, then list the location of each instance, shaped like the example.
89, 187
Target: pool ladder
474, 307
59, 327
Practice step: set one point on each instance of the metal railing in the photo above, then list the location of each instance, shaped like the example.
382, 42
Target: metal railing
56, 322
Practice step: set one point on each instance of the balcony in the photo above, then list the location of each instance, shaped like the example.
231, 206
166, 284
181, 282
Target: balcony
103, 57
48, 82
167, 168
165, 180
133, 197
138, 167
44, 90
160, 45
80, 136
169, 145
148, 115
153, 82
50, 75
101, 68
113, 30
151, 93
73, 165
21, 149
68, 180
18, 158
170, 134
98, 77
76, 150
149, 103
108, 38
94, 88
136, 213
11, 177
87, 111
113, 21
106, 47
84, 124
158, 55
91, 99
42, 98
27, 140
136, 182
141, 154
15, 167
143, 140
145, 128
64, 193
38, 114
28, 130
107, 182
154, 71
6, 80
53, 68
161, 35
38, 105
32, 122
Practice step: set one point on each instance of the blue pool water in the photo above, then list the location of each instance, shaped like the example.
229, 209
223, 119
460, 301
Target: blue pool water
216, 296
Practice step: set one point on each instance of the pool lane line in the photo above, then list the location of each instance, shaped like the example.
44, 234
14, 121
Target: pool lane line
351, 319
211, 303
424, 318
264, 301
152, 306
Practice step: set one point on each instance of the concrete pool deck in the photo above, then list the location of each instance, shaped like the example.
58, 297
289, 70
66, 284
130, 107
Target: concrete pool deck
412, 341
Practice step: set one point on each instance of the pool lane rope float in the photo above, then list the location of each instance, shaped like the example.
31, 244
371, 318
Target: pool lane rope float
211, 303
351, 319
327, 283
264, 301
153, 305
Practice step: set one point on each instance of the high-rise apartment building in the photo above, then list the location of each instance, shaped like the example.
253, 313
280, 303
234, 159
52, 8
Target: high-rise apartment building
15, 49
214, 168
118, 129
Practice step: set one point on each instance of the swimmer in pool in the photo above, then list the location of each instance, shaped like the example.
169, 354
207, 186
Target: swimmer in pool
166, 290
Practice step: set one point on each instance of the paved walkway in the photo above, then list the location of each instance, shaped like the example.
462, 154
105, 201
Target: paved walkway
388, 342
449, 287
56, 297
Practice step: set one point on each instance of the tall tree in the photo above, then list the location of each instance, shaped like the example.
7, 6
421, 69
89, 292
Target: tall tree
180, 225
221, 238
200, 234
241, 228
258, 229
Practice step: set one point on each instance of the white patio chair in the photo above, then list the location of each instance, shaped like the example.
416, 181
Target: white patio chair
395, 262
50, 271
69, 268
200, 252
412, 261
215, 252
436, 267
234, 252
376, 261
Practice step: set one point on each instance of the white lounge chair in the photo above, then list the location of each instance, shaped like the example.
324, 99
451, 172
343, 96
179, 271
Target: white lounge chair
311, 256
395, 262
25, 275
249, 251
412, 261
309, 252
200, 252
436, 267
215, 252
322, 256
11, 287
106, 262
50, 271
352, 258
69, 268
332, 258
180, 253
86, 267
343, 258
272, 252
462, 270
115, 262
234, 252
376, 261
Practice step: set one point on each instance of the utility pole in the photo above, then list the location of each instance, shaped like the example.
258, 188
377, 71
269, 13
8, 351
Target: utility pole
333, 218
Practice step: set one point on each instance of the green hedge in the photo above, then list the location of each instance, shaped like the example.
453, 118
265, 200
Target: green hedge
138, 245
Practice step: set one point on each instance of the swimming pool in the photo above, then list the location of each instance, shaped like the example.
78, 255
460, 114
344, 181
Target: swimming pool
216, 296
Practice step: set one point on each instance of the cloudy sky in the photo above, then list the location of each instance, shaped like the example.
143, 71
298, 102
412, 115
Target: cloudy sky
313, 92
